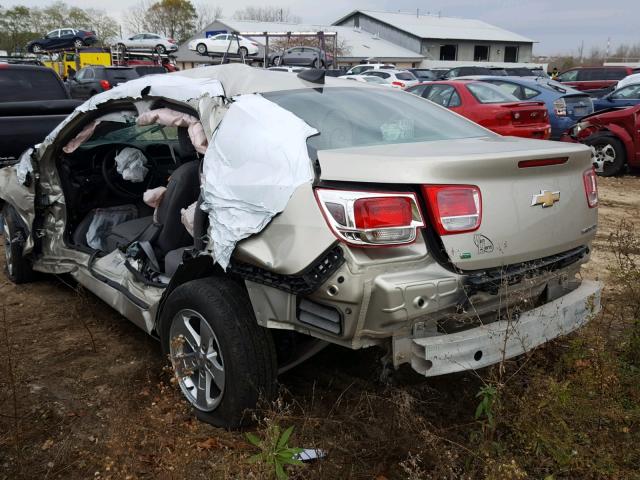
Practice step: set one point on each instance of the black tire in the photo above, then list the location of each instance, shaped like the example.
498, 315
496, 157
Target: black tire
247, 350
608, 144
243, 52
17, 268
36, 48
316, 63
160, 49
277, 61
201, 48
122, 47
78, 43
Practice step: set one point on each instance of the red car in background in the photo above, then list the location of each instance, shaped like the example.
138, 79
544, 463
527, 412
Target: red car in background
594, 80
489, 106
614, 135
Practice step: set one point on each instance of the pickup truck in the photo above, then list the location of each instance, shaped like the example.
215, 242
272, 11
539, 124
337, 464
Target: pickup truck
33, 101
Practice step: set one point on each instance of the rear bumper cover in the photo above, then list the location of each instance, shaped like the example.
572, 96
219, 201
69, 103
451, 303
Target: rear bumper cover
489, 344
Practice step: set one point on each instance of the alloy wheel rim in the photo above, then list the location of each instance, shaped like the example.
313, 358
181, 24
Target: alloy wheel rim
604, 153
201, 48
7, 246
197, 360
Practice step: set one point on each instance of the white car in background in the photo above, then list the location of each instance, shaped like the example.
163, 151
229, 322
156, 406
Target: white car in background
286, 68
360, 69
148, 42
395, 78
367, 79
224, 42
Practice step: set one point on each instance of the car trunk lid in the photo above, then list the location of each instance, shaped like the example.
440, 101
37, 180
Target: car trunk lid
527, 113
515, 226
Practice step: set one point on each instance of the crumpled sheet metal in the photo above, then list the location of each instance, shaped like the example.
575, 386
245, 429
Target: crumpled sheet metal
255, 161
173, 118
172, 87
24, 166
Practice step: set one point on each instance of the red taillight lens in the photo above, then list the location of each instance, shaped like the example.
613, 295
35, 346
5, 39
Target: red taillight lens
371, 219
382, 212
591, 187
398, 84
171, 40
454, 208
542, 162
105, 84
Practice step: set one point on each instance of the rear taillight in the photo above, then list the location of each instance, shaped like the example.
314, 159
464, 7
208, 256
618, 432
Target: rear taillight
171, 40
560, 106
105, 84
371, 218
591, 187
454, 208
398, 84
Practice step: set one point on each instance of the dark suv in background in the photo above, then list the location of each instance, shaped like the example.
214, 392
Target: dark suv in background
596, 81
96, 79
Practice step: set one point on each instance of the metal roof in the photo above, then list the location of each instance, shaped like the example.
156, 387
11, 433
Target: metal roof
436, 26
357, 43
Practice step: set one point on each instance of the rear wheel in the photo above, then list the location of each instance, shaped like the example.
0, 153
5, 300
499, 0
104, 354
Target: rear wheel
243, 52
160, 49
201, 48
17, 268
610, 156
277, 61
224, 361
35, 48
122, 47
78, 43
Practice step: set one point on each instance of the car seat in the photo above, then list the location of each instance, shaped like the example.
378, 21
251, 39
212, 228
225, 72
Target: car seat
167, 233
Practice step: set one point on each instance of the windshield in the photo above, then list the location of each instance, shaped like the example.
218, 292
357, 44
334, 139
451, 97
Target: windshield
486, 93
130, 133
356, 117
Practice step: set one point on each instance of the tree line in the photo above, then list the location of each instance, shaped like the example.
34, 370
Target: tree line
178, 19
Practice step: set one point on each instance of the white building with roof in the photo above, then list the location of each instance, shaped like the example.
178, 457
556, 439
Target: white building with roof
443, 41
356, 44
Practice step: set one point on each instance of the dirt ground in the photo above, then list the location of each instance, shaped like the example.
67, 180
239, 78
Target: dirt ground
85, 394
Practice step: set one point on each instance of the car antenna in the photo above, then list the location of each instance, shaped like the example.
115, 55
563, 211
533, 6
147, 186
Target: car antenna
313, 75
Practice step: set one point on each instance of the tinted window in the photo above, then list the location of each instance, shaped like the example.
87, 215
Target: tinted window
417, 90
486, 93
18, 85
353, 117
423, 74
120, 75
615, 74
569, 76
443, 95
405, 76
148, 70
89, 74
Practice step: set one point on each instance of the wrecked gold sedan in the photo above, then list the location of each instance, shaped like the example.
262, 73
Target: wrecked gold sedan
247, 218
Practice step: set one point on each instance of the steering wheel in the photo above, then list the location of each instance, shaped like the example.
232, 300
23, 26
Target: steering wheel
119, 186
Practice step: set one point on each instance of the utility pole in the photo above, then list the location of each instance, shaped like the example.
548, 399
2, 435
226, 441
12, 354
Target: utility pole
606, 52
581, 50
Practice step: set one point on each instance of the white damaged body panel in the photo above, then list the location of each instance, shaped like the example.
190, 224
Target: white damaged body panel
257, 159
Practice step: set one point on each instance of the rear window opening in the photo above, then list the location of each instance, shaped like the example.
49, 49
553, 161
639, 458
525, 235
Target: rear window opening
355, 117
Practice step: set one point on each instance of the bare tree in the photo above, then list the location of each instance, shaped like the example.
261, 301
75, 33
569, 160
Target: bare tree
172, 18
206, 14
270, 13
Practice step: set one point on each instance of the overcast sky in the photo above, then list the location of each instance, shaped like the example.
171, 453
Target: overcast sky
558, 26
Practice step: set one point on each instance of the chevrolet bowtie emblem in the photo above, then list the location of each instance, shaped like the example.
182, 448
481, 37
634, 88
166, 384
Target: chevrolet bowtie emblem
545, 198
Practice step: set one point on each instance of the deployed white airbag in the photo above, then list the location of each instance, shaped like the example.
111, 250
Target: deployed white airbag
173, 118
256, 159
130, 163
